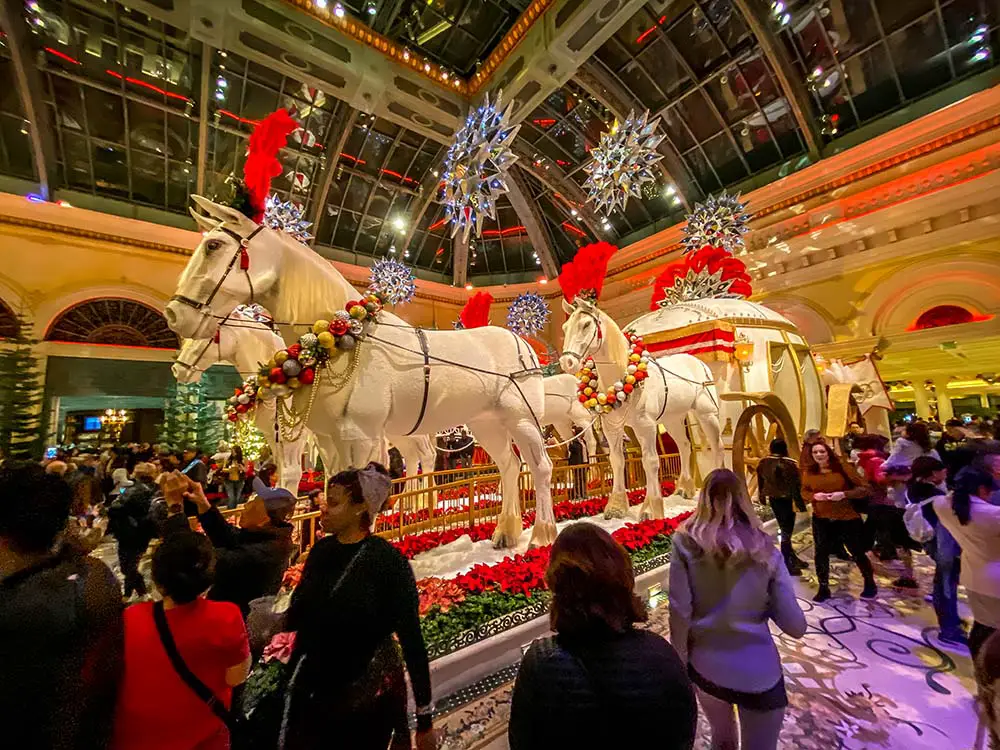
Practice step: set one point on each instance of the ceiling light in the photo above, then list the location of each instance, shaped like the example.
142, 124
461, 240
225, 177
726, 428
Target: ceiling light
372, 9
436, 173
543, 280
468, 287
427, 67
321, 4
392, 248
676, 201
670, 190
399, 223
222, 52
338, 10
574, 212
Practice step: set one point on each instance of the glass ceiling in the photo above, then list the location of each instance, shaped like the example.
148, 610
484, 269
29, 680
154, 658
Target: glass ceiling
122, 92
458, 34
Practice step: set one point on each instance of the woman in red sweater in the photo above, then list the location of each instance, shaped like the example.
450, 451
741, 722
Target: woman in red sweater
831, 488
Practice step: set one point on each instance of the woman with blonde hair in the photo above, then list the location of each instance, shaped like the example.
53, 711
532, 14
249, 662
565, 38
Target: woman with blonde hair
727, 580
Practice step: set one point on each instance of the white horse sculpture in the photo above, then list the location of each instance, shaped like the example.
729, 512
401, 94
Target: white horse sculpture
245, 345
400, 380
564, 411
676, 385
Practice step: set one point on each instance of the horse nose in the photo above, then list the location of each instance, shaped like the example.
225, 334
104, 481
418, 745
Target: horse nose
171, 315
568, 363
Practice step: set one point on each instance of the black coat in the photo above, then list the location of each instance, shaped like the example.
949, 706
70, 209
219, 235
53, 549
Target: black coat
249, 563
129, 517
61, 648
616, 691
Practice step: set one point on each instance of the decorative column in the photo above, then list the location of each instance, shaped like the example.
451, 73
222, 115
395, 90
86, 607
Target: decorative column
984, 400
945, 412
922, 400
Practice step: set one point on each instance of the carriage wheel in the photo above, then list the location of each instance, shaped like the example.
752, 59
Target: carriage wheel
758, 425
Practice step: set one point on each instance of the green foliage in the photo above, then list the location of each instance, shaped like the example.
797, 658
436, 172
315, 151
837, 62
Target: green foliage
189, 418
659, 546
475, 610
22, 397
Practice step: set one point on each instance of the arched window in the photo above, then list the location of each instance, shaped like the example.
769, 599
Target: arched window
121, 322
9, 323
944, 315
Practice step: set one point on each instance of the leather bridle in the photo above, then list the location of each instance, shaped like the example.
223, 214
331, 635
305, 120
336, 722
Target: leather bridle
598, 335
217, 340
241, 255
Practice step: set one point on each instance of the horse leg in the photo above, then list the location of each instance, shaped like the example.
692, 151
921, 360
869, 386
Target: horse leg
645, 433
290, 464
529, 442
709, 421
674, 423
495, 440
617, 505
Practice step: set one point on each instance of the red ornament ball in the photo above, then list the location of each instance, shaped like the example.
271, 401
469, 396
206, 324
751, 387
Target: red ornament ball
277, 375
583, 399
351, 303
640, 375
307, 376
233, 416
237, 391
338, 327
241, 408
612, 398
294, 351
628, 388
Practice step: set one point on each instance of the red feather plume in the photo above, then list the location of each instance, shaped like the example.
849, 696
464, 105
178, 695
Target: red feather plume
262, 165
476, 312
586, 271
734, 281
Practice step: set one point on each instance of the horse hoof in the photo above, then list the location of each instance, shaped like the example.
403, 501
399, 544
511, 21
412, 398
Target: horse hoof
542, 535
502, 541
613, 513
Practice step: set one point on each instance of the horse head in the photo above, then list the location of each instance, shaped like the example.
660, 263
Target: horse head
196, 356
583, 333
236, 262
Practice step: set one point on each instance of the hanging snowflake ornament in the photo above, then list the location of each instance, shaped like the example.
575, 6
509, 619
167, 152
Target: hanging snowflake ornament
718, 222
527, 314
286, 216
393, 281
623, 162
475, 167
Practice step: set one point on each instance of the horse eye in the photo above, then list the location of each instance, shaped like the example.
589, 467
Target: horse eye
213, 245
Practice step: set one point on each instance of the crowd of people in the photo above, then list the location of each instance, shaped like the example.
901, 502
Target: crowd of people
83, 671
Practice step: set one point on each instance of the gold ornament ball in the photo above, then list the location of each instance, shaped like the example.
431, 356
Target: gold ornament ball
280, 357
263, 392
321, 326
641, 365
293, 383
592, 403
326, 340
602, 398
630, 379
634, 357
358, 312
263, 380
588, 391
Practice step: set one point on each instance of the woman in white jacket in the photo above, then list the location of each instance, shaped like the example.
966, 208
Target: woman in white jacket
975, 524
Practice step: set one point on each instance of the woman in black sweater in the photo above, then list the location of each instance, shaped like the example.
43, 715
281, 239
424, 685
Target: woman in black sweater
600, 682
357, 591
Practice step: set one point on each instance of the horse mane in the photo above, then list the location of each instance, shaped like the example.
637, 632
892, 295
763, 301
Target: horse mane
614, 341
263, 342
310, 287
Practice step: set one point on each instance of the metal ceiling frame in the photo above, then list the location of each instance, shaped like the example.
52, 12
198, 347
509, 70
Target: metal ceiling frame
30, 90
534, 224
343, 118
756, 16
206, 78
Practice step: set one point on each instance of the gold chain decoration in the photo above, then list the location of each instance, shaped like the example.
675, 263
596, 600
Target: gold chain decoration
604, 402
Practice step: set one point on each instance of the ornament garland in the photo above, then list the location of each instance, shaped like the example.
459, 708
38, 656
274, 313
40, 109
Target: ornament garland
604, 402
243, 401
295, 366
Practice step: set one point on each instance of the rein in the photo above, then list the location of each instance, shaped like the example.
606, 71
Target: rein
242, 255
216, 339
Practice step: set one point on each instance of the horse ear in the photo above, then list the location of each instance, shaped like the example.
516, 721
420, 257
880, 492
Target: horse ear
205, 223
567, 307
220, 212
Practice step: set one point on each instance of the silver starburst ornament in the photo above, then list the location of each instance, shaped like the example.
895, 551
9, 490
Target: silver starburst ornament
718, 222
527, 314
698, 285
393, 280
475, 167
286, 216
623, 162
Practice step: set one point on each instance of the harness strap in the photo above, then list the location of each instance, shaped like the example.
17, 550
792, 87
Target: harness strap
422, 338
666, 389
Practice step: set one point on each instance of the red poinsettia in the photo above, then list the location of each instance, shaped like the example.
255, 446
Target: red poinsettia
438, 592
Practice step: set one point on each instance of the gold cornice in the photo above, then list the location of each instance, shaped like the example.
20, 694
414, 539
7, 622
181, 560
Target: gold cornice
89, 234
417, 62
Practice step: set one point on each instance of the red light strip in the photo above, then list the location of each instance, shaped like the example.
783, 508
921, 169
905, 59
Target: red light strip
642, 37
151, 87
234, 116
63, 56
355, 159
437, 225
397, 175
503, 232
575, 230
544, 122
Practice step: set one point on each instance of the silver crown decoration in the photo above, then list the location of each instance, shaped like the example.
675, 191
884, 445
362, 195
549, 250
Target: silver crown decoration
253, 312
475, 167
623, 162
527, 314
393, 280
698, 285
718, 222
286, 216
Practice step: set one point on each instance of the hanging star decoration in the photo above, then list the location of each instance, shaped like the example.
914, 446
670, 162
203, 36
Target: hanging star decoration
286, 216
393, 281
623, 162
527, 314
475, 167
718, 222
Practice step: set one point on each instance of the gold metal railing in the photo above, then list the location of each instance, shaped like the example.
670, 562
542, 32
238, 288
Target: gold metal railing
439, 501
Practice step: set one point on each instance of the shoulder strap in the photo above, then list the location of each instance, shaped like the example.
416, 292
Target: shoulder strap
188, 677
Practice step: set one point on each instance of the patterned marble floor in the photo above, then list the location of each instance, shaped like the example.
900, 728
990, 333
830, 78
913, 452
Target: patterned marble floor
866, 675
